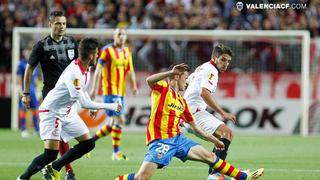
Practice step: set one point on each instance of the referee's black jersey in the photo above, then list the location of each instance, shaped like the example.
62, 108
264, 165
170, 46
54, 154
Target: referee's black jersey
54, 57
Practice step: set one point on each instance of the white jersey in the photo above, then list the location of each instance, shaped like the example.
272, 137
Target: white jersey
205, 76
62, 98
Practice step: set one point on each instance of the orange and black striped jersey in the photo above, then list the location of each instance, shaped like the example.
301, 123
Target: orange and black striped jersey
168, 107
116, 63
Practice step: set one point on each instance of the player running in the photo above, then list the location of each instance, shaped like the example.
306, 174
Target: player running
59, 118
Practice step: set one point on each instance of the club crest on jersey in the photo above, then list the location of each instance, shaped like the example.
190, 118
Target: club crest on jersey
76, 84
210, 76
70, 53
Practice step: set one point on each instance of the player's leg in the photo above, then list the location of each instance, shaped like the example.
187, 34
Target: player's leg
225, 135
145, 172
116, 135
75, 128
63, 148
106, 129
85, 145
50, 130
198, 153
214, 126
159, 155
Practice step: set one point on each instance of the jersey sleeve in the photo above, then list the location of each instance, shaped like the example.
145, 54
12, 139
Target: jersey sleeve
74, 85
104, 57
159, 86
209, 80
36, 54
187, 115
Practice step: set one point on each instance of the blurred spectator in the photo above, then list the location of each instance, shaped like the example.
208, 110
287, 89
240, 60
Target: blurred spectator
156, 14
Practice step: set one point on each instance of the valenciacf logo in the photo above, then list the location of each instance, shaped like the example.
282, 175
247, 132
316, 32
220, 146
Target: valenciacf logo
239, 6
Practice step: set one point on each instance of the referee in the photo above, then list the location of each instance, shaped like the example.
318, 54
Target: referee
54, 53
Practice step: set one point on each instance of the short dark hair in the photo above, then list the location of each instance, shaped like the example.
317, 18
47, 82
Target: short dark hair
54, 14
221, 49
87, 46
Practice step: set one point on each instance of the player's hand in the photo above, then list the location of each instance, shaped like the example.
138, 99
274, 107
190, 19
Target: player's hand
26, 101
219, 145
135, 91
180, 68
229, 116
93, 113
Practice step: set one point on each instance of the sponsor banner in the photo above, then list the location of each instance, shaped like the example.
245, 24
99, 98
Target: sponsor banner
261, 116
252, 86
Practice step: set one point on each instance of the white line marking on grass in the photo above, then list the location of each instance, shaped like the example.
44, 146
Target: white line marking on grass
10, 164
197, 167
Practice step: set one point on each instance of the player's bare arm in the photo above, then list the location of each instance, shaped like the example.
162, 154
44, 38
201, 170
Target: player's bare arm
96, 81
197, 129
132, 78
26, 81
177, 70
212, 103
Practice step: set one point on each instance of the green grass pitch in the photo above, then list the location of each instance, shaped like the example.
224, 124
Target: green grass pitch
283, 157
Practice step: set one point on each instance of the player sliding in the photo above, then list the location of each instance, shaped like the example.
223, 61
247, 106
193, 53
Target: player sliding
164, 139
59, 118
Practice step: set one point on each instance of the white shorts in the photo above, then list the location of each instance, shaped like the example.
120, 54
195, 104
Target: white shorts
56, 127
206, 121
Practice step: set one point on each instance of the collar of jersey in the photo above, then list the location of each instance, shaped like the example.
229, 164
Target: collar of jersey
214, 64
80, 66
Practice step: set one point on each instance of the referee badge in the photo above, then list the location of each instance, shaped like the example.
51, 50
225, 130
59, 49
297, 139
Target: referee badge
70, 53
76, 84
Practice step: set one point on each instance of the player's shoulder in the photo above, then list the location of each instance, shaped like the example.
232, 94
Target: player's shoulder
209, 67
107, 46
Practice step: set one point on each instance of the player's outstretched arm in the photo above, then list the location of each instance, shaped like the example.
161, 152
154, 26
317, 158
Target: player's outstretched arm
197, 129
85, 102
212, 103
176, 70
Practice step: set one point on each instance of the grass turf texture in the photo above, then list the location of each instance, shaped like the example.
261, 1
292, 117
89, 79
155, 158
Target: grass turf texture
283, 157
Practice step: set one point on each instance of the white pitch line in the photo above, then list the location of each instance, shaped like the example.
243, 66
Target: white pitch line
10, 164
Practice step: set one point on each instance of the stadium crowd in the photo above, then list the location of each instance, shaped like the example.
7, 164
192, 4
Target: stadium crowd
158, 14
